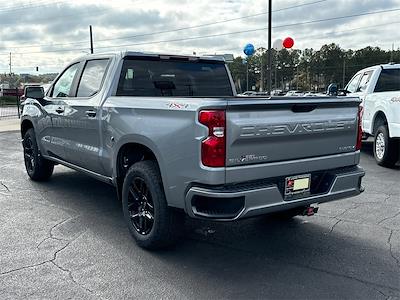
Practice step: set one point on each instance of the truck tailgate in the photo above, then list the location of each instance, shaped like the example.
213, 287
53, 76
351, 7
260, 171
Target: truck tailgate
261, 131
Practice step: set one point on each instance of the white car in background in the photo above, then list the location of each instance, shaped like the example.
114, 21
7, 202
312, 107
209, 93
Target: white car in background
313, 94
294, 94
379, 89
248, 93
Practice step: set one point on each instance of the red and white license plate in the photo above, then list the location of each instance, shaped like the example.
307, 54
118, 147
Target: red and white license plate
297, 184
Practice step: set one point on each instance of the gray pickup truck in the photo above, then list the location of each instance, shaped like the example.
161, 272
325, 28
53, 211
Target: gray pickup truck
171, 135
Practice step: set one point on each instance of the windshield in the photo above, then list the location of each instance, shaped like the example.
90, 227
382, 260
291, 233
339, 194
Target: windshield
156, 77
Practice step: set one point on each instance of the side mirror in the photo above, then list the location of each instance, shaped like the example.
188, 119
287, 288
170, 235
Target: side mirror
332, 89
36, 92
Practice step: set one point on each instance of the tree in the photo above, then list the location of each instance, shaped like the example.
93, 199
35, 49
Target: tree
308, 69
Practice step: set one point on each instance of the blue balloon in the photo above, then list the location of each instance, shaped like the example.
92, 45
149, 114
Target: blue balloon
249, 49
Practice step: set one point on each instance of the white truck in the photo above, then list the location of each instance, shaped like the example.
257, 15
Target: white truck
379, 89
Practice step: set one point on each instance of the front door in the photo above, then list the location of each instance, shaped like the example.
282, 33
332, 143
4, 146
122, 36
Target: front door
83, 139
53, 138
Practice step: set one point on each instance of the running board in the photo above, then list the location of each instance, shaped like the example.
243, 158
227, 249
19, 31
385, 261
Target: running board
95, 175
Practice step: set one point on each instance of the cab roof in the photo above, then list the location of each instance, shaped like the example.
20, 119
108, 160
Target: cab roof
382, 66
124, 54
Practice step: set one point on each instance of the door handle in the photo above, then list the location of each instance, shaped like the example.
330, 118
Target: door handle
59, 110
91, 113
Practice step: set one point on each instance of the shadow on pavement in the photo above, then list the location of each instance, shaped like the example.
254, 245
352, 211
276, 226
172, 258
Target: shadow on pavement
260, 256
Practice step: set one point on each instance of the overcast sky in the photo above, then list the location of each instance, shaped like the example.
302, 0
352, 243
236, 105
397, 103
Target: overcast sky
48, 33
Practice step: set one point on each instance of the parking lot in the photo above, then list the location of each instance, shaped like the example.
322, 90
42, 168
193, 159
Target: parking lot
66, 238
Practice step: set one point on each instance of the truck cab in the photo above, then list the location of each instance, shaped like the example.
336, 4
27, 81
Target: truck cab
378, 88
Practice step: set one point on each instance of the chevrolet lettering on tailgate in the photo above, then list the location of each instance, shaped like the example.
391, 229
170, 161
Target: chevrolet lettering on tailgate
297, 128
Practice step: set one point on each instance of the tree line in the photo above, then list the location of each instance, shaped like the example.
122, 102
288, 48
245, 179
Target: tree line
308, 69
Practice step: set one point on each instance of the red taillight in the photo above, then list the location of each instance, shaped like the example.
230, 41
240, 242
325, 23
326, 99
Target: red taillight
359, 132
213, 147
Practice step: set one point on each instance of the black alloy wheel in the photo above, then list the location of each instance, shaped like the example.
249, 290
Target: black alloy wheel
37, 167
140, 206
29, 154
151, 222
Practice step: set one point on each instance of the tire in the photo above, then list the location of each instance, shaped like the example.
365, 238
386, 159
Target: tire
151, 222
386, 150
37, 167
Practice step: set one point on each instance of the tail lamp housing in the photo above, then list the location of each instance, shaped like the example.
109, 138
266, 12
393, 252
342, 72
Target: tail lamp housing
359, 131
213, 148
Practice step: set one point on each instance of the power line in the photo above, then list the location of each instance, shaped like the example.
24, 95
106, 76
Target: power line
22, 7
250, 30
212, 23
318, 35
348, 30
177, 29
338, 18
217, 35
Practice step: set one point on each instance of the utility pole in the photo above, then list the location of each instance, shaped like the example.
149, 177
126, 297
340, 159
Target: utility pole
247, 74
391, 54
344, 72
262, 76
91, 39
10, 63
269, 46
262, 87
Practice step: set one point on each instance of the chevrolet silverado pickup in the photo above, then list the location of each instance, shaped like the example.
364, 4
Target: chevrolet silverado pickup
379, 89
171, 135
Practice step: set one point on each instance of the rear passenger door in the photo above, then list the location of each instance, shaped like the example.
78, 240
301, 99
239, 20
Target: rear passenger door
82, 114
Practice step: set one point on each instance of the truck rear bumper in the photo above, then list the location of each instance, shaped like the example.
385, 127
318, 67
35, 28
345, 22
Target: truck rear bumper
236, 201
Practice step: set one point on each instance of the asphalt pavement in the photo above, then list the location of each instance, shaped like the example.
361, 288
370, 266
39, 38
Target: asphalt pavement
66, 238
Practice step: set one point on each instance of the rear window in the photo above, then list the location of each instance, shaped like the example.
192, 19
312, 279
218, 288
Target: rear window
156, 77
389, 80
92, 77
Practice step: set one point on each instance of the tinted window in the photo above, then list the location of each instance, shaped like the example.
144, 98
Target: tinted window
62, 87
353, 84
389, 80
92, 77
173, 78
364, 81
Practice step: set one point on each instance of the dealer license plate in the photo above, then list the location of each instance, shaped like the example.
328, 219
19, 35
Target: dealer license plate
297, 184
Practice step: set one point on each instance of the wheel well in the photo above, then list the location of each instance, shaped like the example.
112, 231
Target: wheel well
26, 124
380, 119
128, 155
